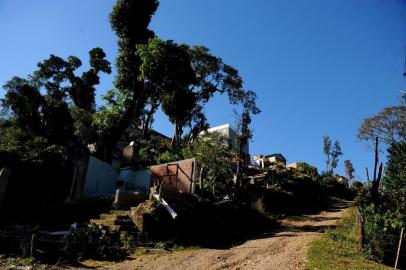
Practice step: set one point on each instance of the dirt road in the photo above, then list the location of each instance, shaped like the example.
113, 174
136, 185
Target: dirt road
282, 249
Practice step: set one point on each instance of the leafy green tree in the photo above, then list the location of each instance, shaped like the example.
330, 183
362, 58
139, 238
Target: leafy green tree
335, 155
214, 158
24, 102
308, 169
394, 181
46, 124
166, 69
327, 151
50, 114
190, 75
129, 19
332, 152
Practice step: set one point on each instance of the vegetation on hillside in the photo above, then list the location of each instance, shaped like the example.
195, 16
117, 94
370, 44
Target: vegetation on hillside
382, 206
50, 122
338, 249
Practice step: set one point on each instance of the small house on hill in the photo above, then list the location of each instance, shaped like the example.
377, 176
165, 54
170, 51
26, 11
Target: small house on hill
270, 160
231, 134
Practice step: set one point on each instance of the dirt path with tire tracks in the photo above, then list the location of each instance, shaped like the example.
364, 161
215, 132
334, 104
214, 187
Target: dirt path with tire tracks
285, 248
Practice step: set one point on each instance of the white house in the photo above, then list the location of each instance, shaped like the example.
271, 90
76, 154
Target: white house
231, 134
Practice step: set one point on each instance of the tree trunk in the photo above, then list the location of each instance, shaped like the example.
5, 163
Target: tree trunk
177, 135
375, 185
132, 112
173, 141
376, 157
148, 121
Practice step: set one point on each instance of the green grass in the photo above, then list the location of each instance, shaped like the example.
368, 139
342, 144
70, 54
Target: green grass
21, 263
337, 249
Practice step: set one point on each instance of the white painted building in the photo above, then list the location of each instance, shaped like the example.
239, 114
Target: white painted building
231, 134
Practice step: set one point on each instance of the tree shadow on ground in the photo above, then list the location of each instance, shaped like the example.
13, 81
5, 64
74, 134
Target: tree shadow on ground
277, 229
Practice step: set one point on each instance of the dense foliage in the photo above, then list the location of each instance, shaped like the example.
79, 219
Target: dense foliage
50, 122
93, 243
215, 159
337, 249
385, 212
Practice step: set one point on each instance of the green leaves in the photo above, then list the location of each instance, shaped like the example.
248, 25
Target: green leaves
97, 61
183, 79
332, 152
107, 116
394, 181
129, 19
213, 155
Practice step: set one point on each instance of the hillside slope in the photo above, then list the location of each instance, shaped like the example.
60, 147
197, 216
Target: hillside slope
284, 248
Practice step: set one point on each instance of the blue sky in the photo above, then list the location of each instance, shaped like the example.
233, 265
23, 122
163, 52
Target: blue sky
319, 67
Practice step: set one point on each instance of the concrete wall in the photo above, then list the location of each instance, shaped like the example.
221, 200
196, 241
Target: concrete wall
135, 181
180, 179
100, 180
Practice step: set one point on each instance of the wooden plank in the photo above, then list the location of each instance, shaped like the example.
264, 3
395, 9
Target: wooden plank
399, 247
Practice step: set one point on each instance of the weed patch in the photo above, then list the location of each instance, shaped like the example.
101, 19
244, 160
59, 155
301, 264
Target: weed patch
337, 249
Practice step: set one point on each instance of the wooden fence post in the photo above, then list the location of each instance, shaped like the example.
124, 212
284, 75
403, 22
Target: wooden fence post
399, 247
32, 245
361, 231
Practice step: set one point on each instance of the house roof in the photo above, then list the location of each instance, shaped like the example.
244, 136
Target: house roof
278, 155
221, 127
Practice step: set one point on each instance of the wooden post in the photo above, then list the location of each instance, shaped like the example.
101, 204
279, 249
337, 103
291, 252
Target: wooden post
361, 231
399, 247
32, 245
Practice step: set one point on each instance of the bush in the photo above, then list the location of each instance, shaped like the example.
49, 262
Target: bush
308, 169
332, 187
94, 243
381, 232
337, 249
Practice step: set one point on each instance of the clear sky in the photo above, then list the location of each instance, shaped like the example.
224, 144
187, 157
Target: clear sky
319, 67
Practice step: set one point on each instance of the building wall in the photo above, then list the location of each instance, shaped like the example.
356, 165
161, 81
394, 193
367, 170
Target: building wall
178, 176
292, 165
100, 180
135, 180
231, 133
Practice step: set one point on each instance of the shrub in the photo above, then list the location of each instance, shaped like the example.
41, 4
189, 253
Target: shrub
94, 243
381, 232
337, 249
308, 169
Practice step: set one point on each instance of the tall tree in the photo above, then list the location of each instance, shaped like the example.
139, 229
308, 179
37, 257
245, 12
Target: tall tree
47, 126
129, 19
50, 114
166, 69
335, 155
183, 79
327, 151
389, 126
25, 102
349, 170
332, 152
394, 181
